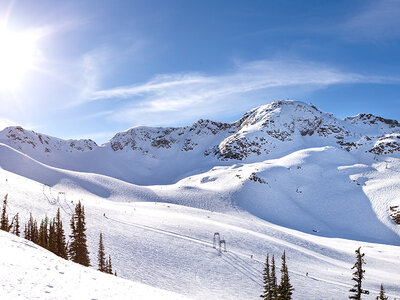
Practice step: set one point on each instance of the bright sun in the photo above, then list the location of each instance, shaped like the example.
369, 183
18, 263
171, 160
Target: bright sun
18, 53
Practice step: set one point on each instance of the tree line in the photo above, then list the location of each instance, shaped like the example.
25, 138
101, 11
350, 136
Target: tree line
50, 235
284, 290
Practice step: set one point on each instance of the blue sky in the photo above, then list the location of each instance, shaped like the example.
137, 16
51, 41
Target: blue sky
99, 67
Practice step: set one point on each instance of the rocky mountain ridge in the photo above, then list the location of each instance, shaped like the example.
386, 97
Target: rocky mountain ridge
21, 139
262, 131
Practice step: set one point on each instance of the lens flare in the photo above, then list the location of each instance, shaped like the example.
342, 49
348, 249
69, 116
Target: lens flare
18, 53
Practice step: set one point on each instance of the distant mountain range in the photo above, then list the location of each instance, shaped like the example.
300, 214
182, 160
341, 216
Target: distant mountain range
266, 132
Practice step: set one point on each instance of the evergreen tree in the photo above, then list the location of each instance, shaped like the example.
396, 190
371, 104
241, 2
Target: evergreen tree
267, 281
109, 266
43, 233
17, 231
106, 269
16, 226
35, 232
26, 234
77, 248
358, 276
31, 230
101, 256
273, 284
382, 295
27, 231
52, 240
285, 289
60, 237
4, 217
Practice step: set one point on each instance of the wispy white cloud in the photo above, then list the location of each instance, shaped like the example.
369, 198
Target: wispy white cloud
85, 75
96, 115
180, 97
379, 19
90, 71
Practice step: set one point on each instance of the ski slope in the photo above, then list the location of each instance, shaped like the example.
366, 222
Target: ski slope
29, 272
162, 237
286, 176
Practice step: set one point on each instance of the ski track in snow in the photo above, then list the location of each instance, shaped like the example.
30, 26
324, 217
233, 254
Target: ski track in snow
34, 273
241, 265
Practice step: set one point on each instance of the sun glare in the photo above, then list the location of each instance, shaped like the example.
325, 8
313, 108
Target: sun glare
18, 53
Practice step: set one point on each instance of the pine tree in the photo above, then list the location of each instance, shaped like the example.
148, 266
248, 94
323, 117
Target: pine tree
382, 295
101, 256
267, 281
273, 284
26, 234
358, 276
285, 289
4, 217
16, 226
109, 266
35, 232
31, 230
60, 236
106, 268
43, 233
27, 231
77, 248
52, 241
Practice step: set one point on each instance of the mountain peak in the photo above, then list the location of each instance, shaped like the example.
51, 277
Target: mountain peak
29, 140
259, 134
371, 119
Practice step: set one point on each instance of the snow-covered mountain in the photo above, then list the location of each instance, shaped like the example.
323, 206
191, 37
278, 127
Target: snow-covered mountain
147, 155
286, 176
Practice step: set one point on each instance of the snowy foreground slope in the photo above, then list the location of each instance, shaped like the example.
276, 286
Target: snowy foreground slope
284, 177
29, 272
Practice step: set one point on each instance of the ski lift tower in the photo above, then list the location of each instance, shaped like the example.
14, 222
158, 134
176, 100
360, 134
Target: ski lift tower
60, 195
216, 240
222, 243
